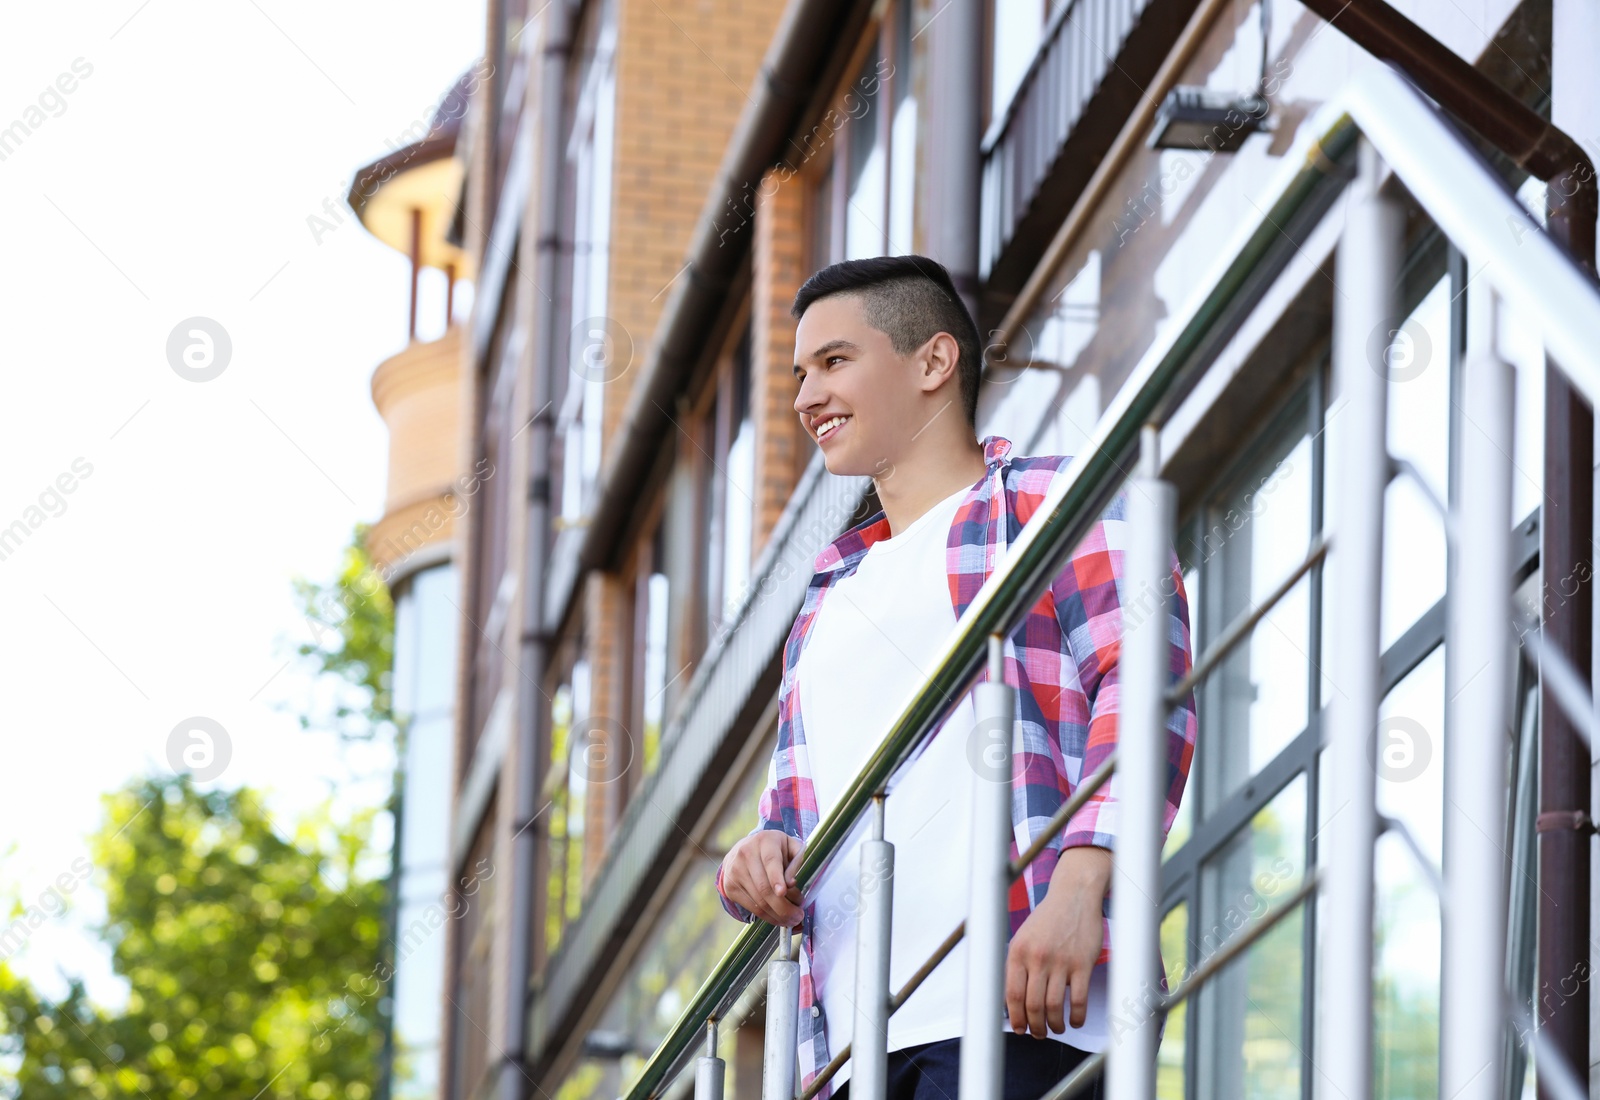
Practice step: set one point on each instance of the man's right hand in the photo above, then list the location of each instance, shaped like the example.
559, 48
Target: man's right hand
755, 874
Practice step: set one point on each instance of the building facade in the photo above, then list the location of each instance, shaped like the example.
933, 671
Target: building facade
408, 200
646, 186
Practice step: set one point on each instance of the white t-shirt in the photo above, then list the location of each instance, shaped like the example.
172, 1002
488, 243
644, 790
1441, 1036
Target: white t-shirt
872, 645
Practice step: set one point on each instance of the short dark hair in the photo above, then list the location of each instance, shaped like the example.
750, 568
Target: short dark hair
909, 299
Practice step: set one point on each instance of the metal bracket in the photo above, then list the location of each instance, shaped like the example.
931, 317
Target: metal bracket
1578, 820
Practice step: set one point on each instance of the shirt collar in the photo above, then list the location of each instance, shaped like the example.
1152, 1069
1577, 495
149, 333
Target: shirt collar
849, 547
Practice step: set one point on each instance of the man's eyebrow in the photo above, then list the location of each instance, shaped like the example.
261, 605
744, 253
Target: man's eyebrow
831, 345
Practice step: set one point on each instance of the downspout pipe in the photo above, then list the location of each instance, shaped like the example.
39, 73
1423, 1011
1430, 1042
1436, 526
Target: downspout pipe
1502, 119
956, 144
539, 253
1566, 548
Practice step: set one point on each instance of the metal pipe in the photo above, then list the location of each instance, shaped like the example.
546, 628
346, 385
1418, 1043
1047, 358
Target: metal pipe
1080, 797
416, 269
1366, 274
988, 917
1498, 116
1058, 821
709, 1070
524, 939
1555, 1071
1141, 794
1478, 634
1472, 207
870, 1039
778, 1057
1566, 554
954, 142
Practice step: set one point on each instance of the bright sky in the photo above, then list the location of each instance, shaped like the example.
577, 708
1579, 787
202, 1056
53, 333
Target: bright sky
174, 181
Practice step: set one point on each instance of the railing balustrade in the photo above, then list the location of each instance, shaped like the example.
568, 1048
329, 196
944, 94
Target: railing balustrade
1380, 121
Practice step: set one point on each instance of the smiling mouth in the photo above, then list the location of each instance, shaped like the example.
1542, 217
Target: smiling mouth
830, 426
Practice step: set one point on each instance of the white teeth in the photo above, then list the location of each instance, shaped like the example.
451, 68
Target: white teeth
828, 425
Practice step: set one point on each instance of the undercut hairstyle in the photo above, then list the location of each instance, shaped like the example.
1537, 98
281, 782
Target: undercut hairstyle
909, 299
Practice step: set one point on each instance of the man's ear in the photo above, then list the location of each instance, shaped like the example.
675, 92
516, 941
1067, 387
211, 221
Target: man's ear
940, 358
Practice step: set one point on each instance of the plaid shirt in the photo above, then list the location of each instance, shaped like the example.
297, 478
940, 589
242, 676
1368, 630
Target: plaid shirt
1062, 659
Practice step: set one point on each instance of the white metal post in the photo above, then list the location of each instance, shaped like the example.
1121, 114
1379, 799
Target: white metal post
1472, 997
783, 1025
988, 918
1364, 322
869, 1044
1140, 783
709, 1069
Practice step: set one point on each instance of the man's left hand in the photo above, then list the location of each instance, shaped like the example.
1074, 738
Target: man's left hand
1054, 951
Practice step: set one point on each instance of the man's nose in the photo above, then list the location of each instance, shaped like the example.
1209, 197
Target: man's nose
807, 397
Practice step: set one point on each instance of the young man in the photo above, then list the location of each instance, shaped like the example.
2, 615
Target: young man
887, 358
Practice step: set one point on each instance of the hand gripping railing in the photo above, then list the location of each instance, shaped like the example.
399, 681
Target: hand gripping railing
1509, 252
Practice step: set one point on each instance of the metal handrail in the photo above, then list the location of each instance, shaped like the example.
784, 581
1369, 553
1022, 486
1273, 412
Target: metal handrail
1080, 797
1470, 205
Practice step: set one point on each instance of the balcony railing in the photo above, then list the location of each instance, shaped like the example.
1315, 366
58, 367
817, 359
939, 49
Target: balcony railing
1080, 46
1380, 115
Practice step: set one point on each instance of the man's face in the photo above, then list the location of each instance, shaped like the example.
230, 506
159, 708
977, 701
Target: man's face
849, 373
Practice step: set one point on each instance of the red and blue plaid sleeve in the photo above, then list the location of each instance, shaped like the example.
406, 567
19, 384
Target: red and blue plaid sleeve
1090, 594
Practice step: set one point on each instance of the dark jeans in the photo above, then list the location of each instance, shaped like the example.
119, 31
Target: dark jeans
932, 1071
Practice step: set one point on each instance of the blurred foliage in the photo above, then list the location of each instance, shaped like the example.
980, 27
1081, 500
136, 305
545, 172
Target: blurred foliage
564, 886
1405, 1055
256, 961
352, 622
251, 959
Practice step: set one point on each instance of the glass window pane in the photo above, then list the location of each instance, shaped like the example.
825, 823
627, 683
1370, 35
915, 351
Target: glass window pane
1406, 943
1419, 425
655, 667
1256, 532
1174, 957
822, 220
561, 717
863, 225
1183, 821
1018, 25
739, 497
1251, 1014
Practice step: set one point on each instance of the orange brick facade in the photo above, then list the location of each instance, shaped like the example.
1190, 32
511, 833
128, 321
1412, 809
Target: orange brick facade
684, 74
601, 755
782, 446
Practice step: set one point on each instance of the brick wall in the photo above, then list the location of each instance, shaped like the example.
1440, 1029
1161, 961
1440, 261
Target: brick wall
602, 749
782, 446
684, 73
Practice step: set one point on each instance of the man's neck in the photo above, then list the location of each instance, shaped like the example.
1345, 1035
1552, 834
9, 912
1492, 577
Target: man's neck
931, 470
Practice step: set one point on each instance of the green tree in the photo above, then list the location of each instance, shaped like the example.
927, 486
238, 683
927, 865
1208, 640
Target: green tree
251, 959
257, 962
352, 625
